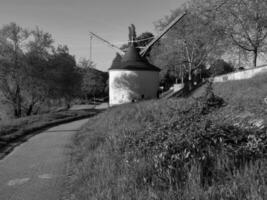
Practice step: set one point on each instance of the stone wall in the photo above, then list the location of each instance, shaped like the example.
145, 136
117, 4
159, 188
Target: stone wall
245, 74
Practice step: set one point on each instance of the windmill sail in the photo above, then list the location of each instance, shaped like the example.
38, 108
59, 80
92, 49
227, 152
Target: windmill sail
175, 21
117, 49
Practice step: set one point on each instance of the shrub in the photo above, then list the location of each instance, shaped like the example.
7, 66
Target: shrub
220, 67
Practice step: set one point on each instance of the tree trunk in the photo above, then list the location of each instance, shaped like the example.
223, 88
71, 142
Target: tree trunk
18, 102
190, 87
15, 111
255, 56
30, 109
67, 102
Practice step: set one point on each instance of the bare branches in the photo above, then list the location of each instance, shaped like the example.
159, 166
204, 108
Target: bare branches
245, 22
238, 43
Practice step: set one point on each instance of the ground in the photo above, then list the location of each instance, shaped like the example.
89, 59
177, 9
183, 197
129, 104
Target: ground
35, 170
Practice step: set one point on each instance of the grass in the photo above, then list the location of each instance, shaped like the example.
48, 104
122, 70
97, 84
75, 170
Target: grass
15, 130
172, 149
246, 101
245, 94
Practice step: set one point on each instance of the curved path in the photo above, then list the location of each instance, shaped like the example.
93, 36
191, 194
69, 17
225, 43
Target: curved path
35, 169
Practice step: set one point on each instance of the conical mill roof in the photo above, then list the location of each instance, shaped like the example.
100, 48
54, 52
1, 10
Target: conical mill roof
133, 61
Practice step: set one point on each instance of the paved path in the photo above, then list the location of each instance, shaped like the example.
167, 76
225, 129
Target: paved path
35, 170
89, 106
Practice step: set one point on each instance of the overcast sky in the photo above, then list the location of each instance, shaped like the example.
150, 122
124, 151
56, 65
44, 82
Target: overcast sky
69, 21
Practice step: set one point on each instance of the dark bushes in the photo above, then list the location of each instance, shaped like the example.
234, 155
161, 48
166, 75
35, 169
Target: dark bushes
220, 67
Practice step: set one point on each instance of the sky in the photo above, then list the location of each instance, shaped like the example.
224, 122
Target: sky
70, 21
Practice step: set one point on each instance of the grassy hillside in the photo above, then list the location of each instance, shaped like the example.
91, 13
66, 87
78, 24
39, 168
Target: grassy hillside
245, 99
176, 149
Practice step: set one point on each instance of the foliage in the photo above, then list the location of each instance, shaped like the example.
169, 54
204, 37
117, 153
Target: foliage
243, 22
193, 42
41, 44
144, 39
86, 63
64, 78
94, 82
32, 70
13, 38
35, 88
211, 30
220, 67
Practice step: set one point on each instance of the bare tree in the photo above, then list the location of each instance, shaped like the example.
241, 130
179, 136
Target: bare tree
191, 43
246, 25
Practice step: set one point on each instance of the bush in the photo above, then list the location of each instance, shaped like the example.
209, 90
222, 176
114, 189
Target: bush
220, 67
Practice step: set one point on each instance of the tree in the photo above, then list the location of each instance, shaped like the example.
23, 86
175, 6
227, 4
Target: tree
144, 39
93, 84
64, 77
245, 23
12, 40
41, 44
36, 85
93, 81
86, 63
166, 56
191, 43
32, 70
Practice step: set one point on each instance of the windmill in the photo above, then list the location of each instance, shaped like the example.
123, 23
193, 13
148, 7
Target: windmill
134, 78
145, 49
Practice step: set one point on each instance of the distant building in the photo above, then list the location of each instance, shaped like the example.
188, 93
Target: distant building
132, 79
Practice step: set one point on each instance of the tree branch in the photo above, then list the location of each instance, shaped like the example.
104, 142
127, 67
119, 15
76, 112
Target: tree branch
238, 44
244, 29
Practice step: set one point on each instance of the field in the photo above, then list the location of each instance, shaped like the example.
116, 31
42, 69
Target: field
201, 147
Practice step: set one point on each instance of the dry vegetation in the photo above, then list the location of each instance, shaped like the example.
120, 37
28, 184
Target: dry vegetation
203, 148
